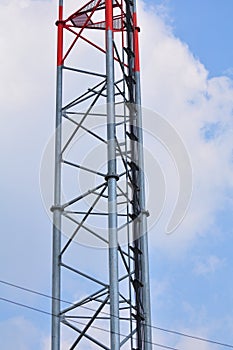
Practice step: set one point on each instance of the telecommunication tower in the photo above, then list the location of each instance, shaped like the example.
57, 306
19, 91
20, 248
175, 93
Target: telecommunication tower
114, 311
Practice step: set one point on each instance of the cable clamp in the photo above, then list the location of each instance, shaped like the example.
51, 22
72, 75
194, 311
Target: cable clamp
59, 22
109, 176
56, 207
145, 212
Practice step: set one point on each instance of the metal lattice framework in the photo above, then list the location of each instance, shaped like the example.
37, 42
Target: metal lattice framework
114, 313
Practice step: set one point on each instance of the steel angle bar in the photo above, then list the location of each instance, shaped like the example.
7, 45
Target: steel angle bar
85, 129
123, 259
75, 102
88, 325
87, 317
88, 96
93, 44
96, 92
84, 71
98, 296
118, 82
76, 199
131, 307
93, 134
82, 97
121, 93
123, 202
127, 254
102, 195
118, 4
81, 30
119, 103
83, 274
119, 115
123, 193
122, 156
122, 278
82, 222
98, 47
99, 301
83, 168
124, 225
124, 300
122, 174
122, 64
84, 212
86, 93
91, 114
98, 114
117, 94
121, 123
84, 9
95, 297
81, 122
87, 229
85, 335
129, 336
86, 300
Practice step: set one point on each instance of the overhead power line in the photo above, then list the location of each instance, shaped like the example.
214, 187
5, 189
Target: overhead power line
78, 322
25, 306
90, 309
192, 336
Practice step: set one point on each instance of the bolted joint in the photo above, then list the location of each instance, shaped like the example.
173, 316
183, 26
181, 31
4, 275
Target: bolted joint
145, 212
59, 22
109, 176
138, 317
56, 207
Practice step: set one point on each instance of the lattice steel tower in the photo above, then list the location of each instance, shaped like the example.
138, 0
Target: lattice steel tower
99, 140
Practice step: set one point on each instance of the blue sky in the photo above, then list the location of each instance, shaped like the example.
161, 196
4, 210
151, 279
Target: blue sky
206, 26
200, 288
187, 55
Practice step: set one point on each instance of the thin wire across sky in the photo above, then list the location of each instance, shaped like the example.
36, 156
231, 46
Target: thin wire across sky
181, 334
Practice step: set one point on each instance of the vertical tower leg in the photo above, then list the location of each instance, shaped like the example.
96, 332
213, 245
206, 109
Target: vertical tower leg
143, 219
56, 295
112, 182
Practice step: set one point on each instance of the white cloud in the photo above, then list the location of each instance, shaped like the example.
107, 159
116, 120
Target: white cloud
28, 48
192, 344
210, 265
21, 333
174, 83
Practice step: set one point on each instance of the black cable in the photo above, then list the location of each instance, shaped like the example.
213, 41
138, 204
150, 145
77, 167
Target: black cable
192, 337
90, 309
124, 335
26, 306
33, 291
81, 323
